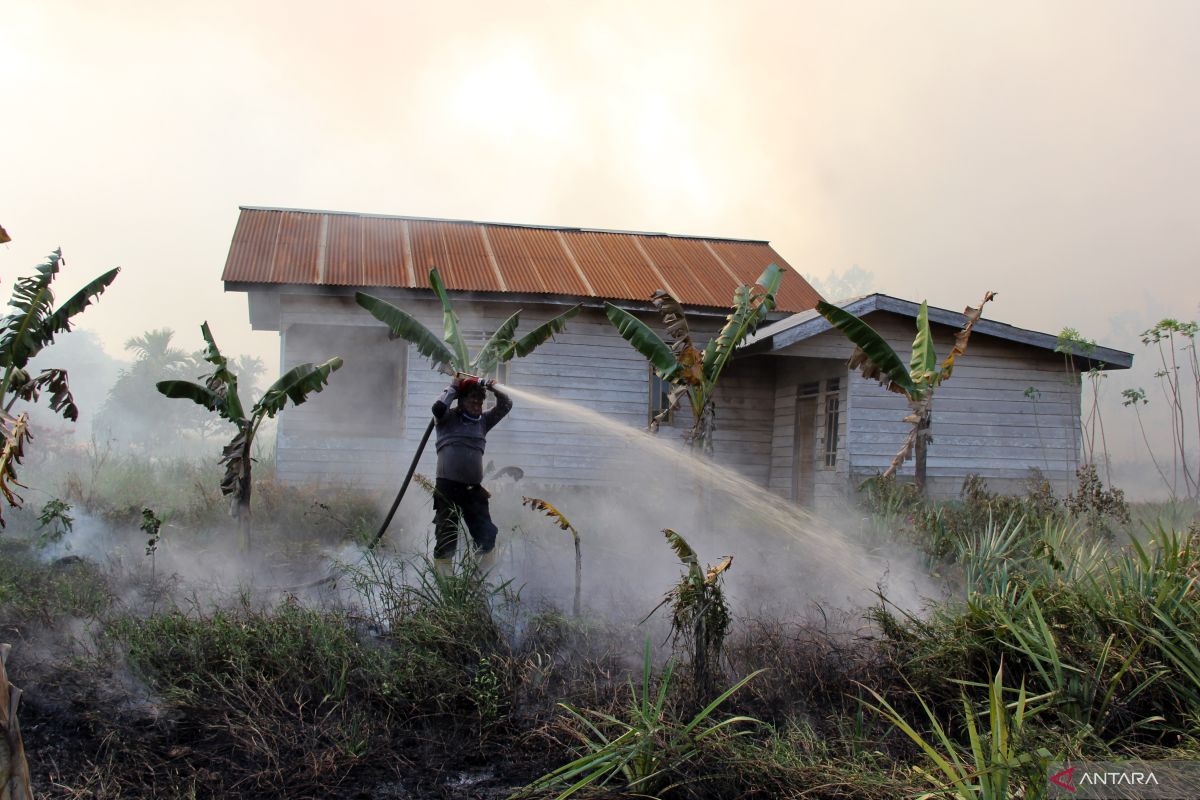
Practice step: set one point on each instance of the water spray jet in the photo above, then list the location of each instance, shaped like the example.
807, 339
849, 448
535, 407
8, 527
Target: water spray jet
770, 512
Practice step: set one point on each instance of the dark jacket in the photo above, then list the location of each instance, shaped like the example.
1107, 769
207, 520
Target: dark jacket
461, 438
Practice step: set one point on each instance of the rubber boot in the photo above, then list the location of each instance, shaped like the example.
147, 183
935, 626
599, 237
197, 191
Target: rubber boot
487, 561
443, 567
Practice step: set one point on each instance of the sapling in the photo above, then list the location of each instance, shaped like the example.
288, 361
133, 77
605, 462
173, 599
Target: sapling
699, 611
564, 524
1095, 375
1165, 337
1071, 343
1134, 397
54, 521
152, 527
1035, 394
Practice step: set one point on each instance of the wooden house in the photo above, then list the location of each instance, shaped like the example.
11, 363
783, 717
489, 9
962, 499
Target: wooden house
1011, 406
789, 415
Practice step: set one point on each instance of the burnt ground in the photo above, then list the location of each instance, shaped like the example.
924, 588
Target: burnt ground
87, 736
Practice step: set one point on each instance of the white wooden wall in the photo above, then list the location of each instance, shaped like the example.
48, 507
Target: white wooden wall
983, 422
588, 364
745, 401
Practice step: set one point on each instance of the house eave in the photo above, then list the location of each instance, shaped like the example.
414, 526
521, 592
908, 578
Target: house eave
264, 299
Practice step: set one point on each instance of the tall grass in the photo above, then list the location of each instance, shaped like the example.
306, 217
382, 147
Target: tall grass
1108, 633
997, 754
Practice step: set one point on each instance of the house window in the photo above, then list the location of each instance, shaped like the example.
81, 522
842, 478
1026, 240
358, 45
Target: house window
660, 397
363, 398
832, 408
475, 341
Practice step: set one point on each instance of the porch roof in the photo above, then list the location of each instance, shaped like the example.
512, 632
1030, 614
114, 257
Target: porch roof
806, 324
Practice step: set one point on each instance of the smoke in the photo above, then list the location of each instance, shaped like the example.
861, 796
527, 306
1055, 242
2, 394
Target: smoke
784, 559
787, 563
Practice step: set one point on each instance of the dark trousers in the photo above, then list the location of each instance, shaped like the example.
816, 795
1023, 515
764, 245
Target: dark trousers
457, 503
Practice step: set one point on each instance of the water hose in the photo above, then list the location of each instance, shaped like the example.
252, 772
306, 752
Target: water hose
404, 486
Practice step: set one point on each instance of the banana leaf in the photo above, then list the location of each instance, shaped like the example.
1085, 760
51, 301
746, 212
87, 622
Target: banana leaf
876, 357
496, 345
16, 434
961, 338
222, 381
923, 364
682, 549
201, 395
453, 335
296, 385
749, 309
43, 333
714, 572
674, 320
537, 504
24, 334
54, 381
34, 301
677, 391
536, 337
770, 281
237, 469
404, 326
645, 341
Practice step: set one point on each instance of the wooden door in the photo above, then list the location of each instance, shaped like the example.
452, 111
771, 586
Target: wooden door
804, 445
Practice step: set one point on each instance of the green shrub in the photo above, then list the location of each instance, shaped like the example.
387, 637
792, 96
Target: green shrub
34, 593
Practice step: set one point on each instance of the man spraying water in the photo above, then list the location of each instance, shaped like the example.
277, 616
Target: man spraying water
461, 439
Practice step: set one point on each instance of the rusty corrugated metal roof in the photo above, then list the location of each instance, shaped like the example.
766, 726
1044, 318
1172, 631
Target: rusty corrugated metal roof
287, 246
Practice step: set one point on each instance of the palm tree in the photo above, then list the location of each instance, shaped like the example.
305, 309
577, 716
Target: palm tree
133, 411
219, 393
917, 381
23, 334
689, 370
153, 348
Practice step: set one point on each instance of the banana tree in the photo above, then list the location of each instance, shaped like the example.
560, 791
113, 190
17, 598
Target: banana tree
450, 354
699, 611
23, 334
219, 393
689, 370
876, 359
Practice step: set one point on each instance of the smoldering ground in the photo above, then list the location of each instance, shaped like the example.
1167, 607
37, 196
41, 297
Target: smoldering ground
178, 618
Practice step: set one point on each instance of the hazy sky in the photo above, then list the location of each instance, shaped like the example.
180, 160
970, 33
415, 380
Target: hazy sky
1044, 150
